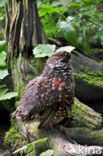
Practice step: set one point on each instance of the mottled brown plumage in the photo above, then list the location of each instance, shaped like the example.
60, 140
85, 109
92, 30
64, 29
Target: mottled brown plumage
49, 97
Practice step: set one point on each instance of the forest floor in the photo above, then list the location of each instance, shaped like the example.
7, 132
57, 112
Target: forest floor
4, 149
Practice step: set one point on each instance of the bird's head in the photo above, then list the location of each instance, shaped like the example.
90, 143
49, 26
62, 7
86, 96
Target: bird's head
57, 61
59, 57
63, 56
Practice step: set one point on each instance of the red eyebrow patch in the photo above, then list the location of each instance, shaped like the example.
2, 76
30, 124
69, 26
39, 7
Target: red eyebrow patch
56, 83
62, 53
61, 85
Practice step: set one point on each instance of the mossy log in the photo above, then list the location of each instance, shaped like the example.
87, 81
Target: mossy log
73, 138
84, 116
88, 76
85, 136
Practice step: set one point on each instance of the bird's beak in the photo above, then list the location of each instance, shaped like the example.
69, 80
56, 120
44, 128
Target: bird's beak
67, 57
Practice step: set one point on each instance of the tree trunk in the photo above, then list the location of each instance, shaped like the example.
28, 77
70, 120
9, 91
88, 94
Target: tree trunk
23, 27
23, 31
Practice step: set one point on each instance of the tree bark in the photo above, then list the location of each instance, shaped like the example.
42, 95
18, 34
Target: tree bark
23, 31
23, 27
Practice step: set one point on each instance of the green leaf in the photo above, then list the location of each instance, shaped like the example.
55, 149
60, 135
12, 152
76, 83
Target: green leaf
29, 145
42, 12
20, 149
2, 3
3, 90
63, 8
40, 141
4, 94
9, 95
50, 29
77, 4
2, 45
2, 59
47, 153
43, 50
68, 49
3, 73
97, 1
68, 30
69, 18
29, 148
44, 9
46, 6
55, 10
70, 33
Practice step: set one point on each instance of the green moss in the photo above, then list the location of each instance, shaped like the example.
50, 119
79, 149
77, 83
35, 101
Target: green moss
17, 103
90, 76
96, 50
98, 134
39, 64
81, 113
17, 75
76, 52
76, 109
33, 127
101, 62
13, 137
21, 78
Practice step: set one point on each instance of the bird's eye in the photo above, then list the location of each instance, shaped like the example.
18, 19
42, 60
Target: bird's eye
62, 53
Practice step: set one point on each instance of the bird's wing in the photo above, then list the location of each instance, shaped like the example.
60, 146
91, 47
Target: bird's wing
52, 91
39, 94
29, 100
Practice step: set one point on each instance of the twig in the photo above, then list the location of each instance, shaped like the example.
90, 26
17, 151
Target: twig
100, 7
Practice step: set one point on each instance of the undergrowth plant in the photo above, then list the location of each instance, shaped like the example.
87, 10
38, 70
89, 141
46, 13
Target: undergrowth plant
2, 19
4, 91
49, 17
72, 20
31, 146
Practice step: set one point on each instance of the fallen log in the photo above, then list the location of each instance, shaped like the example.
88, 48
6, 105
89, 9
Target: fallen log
84, 130
88, 76
84, 116
84, 136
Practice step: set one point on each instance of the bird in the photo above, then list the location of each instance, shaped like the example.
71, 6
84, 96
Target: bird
50, 96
